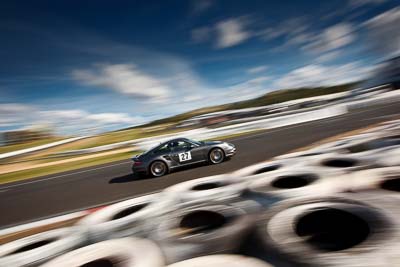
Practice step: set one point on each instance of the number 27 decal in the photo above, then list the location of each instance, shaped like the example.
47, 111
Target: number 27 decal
185, 156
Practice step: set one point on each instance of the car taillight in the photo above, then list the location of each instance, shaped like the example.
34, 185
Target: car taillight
137, 163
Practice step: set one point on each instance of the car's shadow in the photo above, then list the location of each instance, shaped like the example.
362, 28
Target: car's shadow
127, 178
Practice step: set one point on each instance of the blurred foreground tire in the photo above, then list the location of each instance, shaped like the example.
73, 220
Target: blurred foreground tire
36, 249
221, 261
126, 218
198, 231
300, 182
341, 164
124, 252
332, 231
264, 168
389, 157
214, 188
384, 180
341, 145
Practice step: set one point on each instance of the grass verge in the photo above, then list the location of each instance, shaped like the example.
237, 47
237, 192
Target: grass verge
32, 173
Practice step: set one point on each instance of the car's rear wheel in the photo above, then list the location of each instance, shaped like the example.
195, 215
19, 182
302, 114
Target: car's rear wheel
216, 156
158, 168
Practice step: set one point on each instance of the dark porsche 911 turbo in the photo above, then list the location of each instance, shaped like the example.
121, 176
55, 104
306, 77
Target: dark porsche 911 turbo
180, 152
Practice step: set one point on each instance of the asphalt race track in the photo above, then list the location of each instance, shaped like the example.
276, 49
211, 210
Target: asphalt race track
62, 193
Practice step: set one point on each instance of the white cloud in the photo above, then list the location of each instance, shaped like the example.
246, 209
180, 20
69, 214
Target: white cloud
126, 79
384, 32
64, 121
114, 118
245, 90
332, 38
81, 119
59, 115
358, 3
257, 69
13, 114
231, 32
322, 75
328, 56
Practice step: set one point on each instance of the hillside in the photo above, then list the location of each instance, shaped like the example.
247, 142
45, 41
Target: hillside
267, 99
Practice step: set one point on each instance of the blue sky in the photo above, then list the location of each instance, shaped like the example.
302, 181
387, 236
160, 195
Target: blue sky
90, 66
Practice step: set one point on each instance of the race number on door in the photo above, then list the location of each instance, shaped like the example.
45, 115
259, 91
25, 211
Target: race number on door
185, 156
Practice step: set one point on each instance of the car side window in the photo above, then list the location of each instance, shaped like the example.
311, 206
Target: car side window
164, 149
179, 145
183, 145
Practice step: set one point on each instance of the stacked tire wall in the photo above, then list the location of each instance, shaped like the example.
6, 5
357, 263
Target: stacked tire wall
337, 204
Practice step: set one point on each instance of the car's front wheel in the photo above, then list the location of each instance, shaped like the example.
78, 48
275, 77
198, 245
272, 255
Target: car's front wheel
216, 156
158, 168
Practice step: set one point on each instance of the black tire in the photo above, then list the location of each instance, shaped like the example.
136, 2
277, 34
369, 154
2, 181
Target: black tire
352, 230
158, 168
216, 156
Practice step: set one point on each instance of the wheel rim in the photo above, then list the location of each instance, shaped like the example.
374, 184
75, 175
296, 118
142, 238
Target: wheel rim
216, 156
158, 168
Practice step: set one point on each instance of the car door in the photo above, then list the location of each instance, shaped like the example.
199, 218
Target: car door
184, 153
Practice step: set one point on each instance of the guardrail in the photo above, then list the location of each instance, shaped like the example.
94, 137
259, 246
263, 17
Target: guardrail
37, 148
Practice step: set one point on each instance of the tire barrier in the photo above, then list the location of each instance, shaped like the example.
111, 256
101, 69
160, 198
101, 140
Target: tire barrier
36, 249
386, 180
214, 188
331, 231
126, 218
124, 252
222, 260
332, 205
199, 231
298, 182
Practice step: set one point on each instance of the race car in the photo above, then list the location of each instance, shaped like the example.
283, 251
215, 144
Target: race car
180, 152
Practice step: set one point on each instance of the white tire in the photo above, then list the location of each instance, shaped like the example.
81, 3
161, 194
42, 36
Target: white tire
222, 260
389, 157
38, 248
214, 188
264, 168
124, 252
301, 155
197, 231
298, 182
342, 145
331, 231
126, 218
386, 180
341, 164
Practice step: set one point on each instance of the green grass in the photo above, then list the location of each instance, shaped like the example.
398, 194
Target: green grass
10, 148
26, 174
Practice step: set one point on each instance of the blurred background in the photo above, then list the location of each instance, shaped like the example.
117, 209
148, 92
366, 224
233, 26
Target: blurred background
305, 92
89, 74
